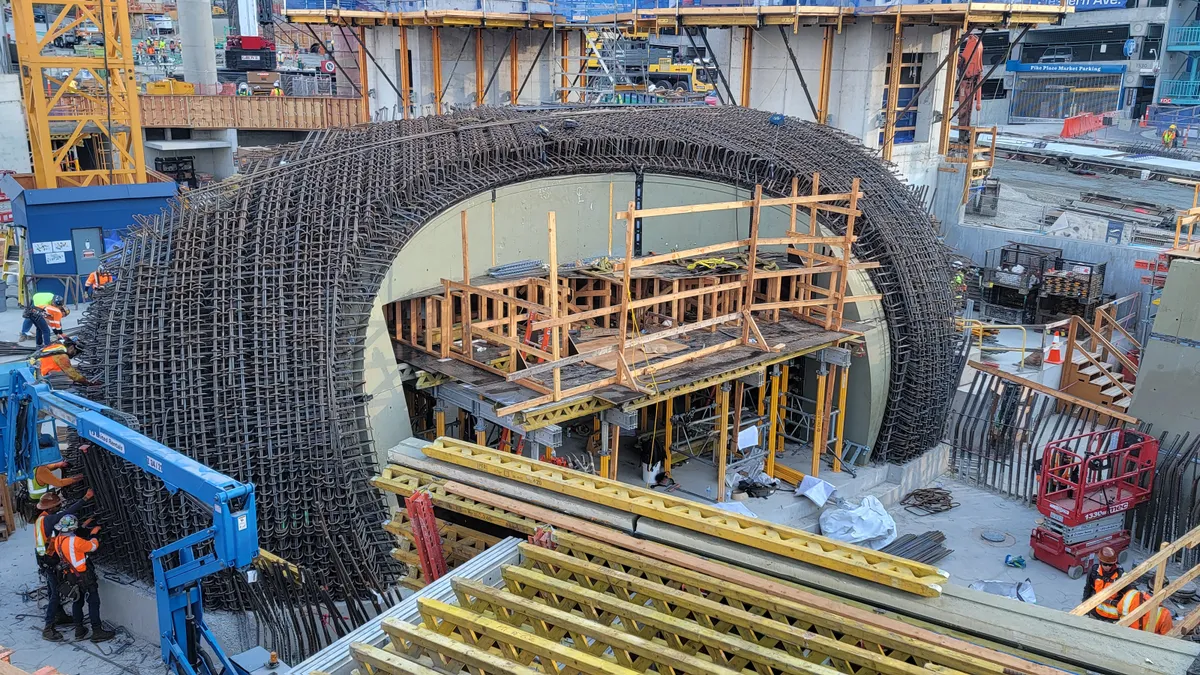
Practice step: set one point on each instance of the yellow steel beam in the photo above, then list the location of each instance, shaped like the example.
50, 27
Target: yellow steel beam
590, 557
518, 645
448, 654
882, 568
680, 615
590, 633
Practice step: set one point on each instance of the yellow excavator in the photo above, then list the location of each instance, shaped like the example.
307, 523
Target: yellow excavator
644, 64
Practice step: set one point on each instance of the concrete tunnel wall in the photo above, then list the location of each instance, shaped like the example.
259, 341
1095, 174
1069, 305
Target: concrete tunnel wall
581, 204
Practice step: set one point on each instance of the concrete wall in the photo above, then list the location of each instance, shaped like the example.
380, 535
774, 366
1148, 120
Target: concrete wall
1166, 387
1121, 278
14, 136
581, 205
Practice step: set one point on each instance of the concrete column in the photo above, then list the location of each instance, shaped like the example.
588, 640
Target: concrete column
199, 44
382, 43
14, 147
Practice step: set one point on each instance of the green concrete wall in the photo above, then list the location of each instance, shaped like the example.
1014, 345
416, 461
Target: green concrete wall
582, 207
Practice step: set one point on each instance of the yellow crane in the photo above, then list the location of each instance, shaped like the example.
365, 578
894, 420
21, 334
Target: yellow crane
81, 105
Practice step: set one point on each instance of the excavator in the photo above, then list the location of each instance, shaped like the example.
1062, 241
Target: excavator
30, 408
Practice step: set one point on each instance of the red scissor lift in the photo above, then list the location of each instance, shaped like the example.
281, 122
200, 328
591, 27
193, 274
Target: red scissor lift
1085, 486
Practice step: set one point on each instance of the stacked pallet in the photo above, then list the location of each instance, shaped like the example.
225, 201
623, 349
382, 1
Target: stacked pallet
1071, 284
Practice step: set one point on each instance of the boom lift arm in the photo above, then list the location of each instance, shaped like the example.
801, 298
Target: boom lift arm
230, 542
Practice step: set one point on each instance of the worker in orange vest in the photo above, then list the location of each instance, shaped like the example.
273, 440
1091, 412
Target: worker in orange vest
73, 551
1102, 575
99, 278
55, 311
56, 358
47, 558
1133, 598
276, 90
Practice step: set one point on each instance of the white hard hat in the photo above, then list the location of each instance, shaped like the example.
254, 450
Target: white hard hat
276, 83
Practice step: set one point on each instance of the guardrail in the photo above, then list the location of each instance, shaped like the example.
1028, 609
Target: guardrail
1180, 92
1184, 36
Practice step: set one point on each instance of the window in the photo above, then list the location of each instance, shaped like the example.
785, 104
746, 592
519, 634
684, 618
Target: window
995, 47
1152, 43
910, 81
993, 89
1074, 45
1156, 3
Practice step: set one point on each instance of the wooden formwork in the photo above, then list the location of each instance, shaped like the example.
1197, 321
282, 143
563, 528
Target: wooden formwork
526, 325
248, 112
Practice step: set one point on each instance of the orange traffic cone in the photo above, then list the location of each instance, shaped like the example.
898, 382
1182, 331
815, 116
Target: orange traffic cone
1055, 357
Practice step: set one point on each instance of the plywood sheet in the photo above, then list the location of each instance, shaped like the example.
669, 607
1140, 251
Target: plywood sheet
633, 356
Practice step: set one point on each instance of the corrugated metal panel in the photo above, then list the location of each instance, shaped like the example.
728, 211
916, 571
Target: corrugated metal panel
335, 659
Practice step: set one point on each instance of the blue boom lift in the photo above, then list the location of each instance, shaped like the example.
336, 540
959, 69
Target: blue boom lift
28, 404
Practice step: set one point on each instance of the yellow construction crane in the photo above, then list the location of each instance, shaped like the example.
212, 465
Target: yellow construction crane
81, 103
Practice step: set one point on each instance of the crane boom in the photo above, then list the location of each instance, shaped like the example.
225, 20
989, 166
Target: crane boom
230, 542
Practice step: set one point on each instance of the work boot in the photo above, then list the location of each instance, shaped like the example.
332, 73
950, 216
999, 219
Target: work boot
51, 635
64, 619
80, 632
102, 634
22, 337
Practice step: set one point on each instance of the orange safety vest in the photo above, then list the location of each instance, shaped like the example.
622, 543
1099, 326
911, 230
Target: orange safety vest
1163, 622
39, 536
99, 280
1106, 610
74, 550
54, 316
45, 359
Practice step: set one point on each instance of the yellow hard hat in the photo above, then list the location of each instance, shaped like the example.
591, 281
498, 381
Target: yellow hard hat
1172, 126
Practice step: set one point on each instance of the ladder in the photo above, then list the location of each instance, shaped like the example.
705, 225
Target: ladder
590, 72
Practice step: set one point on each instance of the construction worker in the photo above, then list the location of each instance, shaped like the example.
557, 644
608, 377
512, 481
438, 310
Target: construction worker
99, 278
276, 90
55, 311
1169, 137
47, 559
44, 479
1102, 575
56, 358
243, 89
1133, 598
73, 553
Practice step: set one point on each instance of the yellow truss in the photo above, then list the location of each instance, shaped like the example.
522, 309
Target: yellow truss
863, 563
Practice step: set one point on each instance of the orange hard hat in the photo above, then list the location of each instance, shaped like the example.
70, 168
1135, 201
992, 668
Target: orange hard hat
1108, 556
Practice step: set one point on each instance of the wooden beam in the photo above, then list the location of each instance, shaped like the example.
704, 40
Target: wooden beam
513, 69
893, 90
405, 83
826, 76
555, 340
948, 95
747, 63
722, 437
437, 69
479, 75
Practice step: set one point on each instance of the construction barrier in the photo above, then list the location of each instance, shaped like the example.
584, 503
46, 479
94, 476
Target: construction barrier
1074, 127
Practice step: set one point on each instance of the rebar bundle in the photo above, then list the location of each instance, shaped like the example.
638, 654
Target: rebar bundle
235, 329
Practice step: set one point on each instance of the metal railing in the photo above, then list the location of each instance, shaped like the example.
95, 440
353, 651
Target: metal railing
1184, 36
1180, 91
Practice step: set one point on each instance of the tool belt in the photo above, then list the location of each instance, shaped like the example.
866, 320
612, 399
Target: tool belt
47, 563
72, 584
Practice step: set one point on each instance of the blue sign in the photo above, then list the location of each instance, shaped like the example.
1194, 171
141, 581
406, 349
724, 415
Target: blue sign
1129, 48
1092, 5
1097, 68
